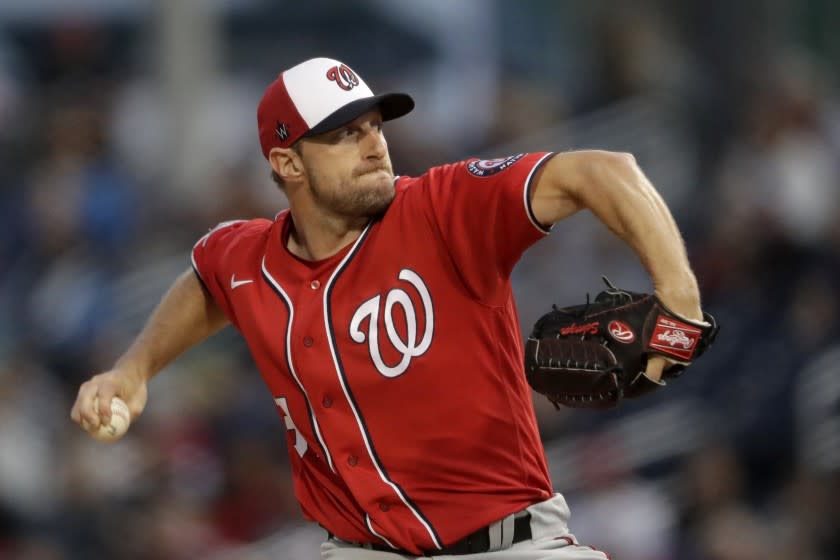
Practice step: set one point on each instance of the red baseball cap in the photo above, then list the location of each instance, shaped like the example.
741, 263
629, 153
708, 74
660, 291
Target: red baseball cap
316, 96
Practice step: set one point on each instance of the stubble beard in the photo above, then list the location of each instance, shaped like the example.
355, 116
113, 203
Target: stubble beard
364, 195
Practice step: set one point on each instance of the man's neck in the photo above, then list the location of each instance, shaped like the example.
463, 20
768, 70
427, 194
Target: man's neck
318, 237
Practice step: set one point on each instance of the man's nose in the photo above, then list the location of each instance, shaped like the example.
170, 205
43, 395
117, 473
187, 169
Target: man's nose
374, 144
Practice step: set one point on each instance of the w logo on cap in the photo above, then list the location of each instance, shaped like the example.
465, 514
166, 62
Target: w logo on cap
343, 76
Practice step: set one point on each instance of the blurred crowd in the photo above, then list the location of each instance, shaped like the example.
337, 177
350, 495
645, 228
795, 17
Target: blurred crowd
732, 109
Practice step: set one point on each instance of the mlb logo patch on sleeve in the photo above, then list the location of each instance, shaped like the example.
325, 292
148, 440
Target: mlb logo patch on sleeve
487, 167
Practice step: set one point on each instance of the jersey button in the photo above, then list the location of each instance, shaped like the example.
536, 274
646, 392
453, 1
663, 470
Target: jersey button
383, 506
327, 402
307, 341
314, 284
352, 460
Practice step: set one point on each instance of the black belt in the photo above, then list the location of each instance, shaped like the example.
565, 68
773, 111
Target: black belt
474, 543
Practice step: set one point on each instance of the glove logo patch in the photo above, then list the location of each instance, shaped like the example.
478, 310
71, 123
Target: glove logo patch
574, 328
621, 332
487, 167
674, 338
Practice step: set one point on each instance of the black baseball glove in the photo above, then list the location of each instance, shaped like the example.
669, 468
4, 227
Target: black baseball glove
595, 354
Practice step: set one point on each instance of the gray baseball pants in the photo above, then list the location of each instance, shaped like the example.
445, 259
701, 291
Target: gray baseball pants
550, 540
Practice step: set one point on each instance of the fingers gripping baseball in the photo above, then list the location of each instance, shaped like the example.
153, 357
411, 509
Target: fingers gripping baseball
99, 397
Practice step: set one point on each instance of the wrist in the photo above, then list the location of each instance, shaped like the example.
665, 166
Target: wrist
683, 301
133, 370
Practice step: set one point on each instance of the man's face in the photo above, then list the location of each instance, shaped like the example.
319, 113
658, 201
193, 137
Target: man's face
349, 169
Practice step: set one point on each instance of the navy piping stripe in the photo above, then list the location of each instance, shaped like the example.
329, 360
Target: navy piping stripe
287, 302
352, 400
198, 275
528, 185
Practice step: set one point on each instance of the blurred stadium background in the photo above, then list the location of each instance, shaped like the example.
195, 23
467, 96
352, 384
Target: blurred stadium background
127, 129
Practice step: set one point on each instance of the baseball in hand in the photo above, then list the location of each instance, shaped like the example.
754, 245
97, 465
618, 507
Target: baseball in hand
120, 420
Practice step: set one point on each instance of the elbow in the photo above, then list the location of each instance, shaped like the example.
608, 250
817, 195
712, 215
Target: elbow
608, 168
619, 161
629, 164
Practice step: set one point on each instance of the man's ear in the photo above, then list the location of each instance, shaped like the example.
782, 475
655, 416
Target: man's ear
287, 163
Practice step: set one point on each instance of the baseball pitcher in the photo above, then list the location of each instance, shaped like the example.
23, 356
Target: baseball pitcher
379, 311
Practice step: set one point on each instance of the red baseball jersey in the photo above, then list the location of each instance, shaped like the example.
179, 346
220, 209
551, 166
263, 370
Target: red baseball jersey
397, 363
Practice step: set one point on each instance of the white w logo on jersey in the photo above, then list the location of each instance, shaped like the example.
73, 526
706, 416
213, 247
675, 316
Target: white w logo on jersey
409, 348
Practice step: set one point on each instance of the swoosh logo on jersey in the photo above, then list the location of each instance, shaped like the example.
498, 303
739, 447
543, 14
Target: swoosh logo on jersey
234, 283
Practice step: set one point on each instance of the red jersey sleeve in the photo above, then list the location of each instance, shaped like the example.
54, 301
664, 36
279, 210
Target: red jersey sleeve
482, 209
215, 254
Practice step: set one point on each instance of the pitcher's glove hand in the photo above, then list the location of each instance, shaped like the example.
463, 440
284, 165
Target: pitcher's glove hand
593, 355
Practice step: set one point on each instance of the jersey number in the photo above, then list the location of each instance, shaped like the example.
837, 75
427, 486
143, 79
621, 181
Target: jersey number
300, 443
410, 347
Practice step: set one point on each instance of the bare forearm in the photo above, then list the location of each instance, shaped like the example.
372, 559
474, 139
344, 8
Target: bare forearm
625, 200
185, 316
616, 191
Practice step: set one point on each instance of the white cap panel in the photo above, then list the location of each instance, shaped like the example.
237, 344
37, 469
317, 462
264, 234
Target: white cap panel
321, 86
